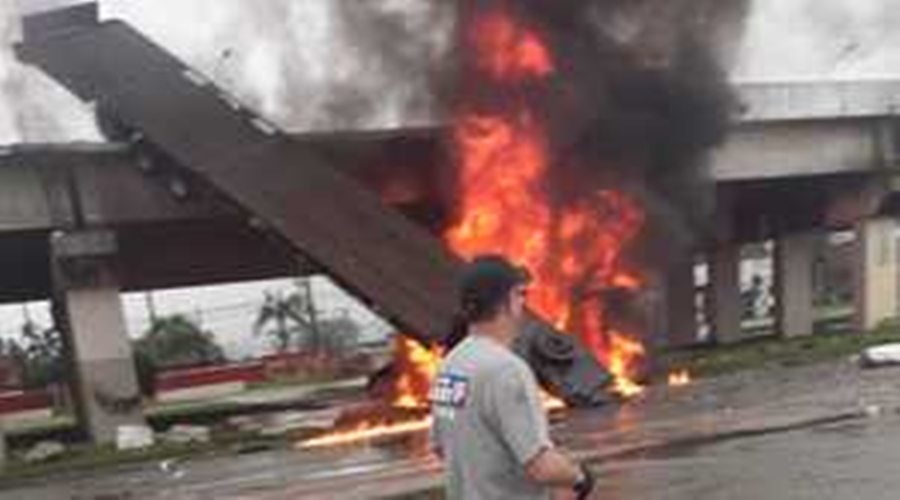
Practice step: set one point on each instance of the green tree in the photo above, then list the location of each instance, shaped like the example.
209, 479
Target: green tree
176, 340
170, 342
339, 335
41, 355
290, 319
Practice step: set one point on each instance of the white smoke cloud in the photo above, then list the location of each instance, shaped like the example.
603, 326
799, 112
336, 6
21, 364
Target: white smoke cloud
820, 39
315, 64
331, 64
32, 107
304, 64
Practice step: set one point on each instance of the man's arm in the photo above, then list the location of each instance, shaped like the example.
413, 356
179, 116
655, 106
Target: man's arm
552, 468
522, 421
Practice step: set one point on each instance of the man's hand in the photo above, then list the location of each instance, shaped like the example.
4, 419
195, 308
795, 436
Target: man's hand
571, 481
552, 468
569, 493
585, 486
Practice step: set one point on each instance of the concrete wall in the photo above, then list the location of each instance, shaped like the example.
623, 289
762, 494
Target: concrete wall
817, 100
803, 148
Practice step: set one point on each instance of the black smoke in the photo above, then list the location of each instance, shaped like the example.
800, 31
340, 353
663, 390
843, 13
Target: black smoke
638, 99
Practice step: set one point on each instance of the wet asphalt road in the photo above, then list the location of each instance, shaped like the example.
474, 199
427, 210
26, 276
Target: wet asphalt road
858, 457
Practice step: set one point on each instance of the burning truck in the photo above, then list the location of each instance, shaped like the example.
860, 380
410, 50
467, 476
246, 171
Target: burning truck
575, 131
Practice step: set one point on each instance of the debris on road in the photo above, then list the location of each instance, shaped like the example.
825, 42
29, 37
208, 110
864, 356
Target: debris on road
134, 437
44, 451
186, 434
881, 355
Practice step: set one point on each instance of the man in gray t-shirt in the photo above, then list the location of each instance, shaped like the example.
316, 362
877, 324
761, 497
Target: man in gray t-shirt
489, 425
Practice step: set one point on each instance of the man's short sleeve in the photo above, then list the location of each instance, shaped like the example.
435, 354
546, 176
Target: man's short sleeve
517, 412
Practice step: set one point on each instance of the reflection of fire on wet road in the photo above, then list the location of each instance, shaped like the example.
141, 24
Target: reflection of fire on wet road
679, 378
367, 431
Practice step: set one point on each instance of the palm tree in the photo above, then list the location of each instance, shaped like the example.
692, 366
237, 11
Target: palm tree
290, 319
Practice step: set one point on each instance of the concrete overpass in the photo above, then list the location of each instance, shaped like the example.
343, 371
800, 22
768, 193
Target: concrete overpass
811, 128
801, 156
194, 236
804, 158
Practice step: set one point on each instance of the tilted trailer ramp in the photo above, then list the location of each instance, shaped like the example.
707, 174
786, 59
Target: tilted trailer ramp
398, 268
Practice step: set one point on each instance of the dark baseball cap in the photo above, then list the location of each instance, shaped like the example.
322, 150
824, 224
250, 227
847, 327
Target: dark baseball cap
486, 280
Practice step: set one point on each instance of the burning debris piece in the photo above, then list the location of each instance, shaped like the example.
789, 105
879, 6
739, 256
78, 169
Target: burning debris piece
679, 378
416, 366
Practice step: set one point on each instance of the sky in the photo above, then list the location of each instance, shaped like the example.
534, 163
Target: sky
331, 64
820, 40
344, 64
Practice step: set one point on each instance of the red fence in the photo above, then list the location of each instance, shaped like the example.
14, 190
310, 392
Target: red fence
19, 401
195, 377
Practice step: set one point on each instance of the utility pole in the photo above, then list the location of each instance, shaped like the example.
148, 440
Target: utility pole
151, 307
26, 313
198, 314
312, 312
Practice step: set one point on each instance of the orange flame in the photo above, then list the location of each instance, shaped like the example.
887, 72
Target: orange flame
417, 365
572, 249
622, 359
508, 53
679, 378
551, 403
367, 431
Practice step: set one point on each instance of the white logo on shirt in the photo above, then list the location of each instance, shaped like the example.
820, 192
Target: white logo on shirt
450, 391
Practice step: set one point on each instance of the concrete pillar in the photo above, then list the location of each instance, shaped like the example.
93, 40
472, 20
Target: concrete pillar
794, 256
680, 306
2, 445
876, 272
90, 315
724, 301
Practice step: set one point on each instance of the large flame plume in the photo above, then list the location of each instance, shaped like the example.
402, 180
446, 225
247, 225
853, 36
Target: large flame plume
573, 248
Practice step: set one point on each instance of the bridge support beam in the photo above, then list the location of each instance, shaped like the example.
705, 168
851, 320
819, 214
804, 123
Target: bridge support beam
876, 272
724, 300
794, 257
680, 308
89, 312
3, 457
